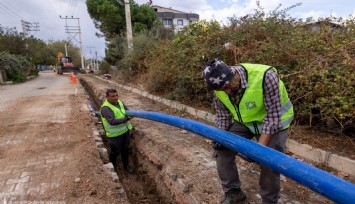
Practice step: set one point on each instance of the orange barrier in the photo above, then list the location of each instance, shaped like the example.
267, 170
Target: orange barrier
73, 78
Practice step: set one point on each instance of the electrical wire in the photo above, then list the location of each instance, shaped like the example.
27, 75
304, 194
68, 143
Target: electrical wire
14, 8
75, 6
68, 7
10, 11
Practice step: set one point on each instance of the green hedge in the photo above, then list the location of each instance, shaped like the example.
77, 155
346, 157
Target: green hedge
317, 67
15, 66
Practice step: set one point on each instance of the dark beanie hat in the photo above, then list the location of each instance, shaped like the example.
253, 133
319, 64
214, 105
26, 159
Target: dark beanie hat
217, 74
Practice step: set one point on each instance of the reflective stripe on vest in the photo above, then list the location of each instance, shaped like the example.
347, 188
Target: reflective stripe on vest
284, 123
250, 110
118, 129
119, 113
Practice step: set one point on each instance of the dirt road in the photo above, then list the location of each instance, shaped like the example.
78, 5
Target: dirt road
45, 150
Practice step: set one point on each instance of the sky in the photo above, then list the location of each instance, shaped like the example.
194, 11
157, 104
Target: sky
52, 27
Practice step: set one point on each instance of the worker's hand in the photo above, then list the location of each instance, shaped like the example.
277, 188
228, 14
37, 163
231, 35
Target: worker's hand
264, 139
129, 117
217, 146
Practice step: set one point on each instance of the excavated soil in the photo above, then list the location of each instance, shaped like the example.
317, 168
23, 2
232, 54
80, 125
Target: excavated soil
184, 161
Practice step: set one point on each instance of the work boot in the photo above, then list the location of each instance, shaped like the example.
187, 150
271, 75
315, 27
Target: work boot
129, 169
234, 196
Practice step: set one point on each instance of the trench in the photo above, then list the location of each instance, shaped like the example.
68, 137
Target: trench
140, 186
173, 167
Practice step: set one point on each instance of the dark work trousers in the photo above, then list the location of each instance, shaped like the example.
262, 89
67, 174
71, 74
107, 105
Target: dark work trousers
119, 145
269, 179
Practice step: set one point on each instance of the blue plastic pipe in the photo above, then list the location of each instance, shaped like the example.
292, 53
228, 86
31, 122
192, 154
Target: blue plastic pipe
322, 182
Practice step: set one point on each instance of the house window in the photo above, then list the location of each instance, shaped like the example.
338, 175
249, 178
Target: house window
180, 22
167, 22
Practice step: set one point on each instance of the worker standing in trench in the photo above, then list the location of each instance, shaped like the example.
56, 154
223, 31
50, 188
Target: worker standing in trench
117, 128
250, 101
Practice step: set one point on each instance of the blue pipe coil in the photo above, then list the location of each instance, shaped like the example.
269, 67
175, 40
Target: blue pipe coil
322, 182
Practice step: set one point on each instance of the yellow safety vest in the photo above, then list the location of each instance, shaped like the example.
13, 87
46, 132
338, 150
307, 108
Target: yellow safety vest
250, 109
119, 113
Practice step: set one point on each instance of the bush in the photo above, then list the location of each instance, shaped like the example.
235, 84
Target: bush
82, 71
16, 76
34, 72
132, 63
15, 66
175, 67
317, 67
105, 67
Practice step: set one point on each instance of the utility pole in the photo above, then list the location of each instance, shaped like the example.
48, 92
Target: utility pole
92, 63
128, 25
97, 62
27, 27
73, 31
66, 51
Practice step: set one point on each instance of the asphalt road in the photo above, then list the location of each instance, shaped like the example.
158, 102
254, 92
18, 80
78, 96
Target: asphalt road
46, 84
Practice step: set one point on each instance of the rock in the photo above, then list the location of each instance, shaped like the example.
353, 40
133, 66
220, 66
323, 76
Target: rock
183, 132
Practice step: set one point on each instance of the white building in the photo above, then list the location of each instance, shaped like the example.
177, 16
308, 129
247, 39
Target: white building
174, 19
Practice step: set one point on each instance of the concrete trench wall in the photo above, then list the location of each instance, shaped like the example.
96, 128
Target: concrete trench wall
159, 161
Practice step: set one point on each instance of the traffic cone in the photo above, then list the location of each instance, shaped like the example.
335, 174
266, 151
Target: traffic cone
73, 79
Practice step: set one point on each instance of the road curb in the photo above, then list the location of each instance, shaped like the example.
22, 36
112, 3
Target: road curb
96, 135
319, 156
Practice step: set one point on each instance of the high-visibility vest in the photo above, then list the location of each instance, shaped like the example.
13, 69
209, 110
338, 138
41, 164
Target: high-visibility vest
250, 109
119, 113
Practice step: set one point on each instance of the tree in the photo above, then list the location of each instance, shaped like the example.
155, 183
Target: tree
35, 50
11, 41
59, 46
109, 17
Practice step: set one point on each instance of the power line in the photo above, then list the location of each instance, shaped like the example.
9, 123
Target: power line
27, 27
68, 12
71, 7
60, 7
14, 8
75, 5
68, 7
10, 11
71, 10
